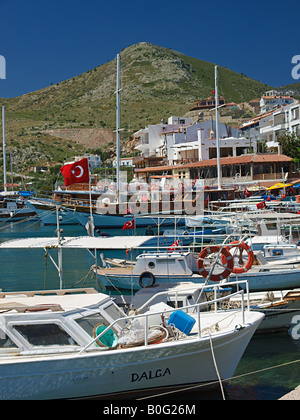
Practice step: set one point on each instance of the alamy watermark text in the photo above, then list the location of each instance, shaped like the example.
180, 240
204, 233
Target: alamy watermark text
296, 68
2, 67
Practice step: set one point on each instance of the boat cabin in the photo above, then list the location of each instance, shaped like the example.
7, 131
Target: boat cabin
53, 321
166, 263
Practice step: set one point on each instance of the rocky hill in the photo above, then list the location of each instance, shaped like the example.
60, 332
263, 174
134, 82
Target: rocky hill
79, 114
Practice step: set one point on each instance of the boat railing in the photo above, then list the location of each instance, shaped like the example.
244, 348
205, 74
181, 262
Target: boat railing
216, 289
196, 306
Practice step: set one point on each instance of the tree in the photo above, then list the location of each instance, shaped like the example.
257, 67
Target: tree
290, 144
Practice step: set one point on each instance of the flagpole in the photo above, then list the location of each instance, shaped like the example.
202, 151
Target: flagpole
91, 207
217, 128
118, 126
4, 149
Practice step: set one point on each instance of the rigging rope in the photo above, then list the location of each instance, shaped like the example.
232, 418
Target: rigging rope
189, 388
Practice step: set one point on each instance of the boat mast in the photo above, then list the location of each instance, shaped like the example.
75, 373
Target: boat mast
4, 149
217, 128
118, 126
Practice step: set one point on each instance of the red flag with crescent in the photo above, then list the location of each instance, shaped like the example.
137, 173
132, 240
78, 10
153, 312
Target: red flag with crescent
76, 173
128, 225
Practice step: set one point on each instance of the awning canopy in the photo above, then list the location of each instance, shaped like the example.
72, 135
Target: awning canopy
80, 242
277, 186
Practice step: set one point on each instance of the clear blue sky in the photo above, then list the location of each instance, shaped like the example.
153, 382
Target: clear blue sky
50, 41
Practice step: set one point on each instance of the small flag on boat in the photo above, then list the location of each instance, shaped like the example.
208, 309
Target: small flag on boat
76, 173
174, 246
261, 205
247, 193
129, 225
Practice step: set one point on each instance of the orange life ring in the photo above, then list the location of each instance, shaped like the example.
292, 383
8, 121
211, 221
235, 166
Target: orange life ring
227, 260
245, 247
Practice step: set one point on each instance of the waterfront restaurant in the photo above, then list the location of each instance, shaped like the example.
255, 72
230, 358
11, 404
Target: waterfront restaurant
240, 169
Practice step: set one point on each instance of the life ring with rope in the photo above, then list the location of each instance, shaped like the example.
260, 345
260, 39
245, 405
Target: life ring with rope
227, 261
243, 246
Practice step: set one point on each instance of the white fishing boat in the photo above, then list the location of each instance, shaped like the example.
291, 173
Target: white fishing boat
278, 306
174, 265
80, 344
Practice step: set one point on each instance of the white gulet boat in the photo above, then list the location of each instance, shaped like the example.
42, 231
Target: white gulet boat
80, 344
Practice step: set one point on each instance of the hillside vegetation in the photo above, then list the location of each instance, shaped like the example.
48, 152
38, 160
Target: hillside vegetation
156, 83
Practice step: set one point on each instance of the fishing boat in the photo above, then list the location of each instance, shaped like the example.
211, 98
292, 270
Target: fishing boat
80, 344
174, 265
14, 209
278, 306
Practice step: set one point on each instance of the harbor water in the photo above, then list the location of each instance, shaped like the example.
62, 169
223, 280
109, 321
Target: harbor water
268, 370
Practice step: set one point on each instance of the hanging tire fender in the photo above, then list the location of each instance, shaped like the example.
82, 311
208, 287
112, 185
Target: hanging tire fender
146, 274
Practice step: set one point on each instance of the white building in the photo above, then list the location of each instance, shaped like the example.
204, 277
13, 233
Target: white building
151, 138
285, 120
272, 100
126, 161
182, 142
94, 160
269, 127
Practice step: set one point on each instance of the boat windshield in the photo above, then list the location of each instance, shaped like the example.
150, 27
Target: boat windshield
89, 322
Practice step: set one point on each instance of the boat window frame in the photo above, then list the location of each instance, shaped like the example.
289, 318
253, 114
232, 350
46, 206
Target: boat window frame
101, 309
10, 335
25, 345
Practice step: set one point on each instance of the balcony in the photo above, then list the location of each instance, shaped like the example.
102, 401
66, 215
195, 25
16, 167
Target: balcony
149, 161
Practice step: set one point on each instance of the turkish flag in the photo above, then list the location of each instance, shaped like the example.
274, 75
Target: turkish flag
76, 173
261, 205
129, 225
174, 246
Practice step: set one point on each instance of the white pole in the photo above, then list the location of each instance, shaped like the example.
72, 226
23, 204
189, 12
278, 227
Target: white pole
4, 149
118, 126
91, 230
217, 128
59, 250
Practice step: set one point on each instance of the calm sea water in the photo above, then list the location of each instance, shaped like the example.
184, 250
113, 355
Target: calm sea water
263, 372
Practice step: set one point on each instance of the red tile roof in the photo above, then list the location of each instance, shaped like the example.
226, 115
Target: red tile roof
243, 159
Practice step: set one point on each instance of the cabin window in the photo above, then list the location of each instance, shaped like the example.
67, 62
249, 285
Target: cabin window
45, 335
89, 322
5, 341
165, 261
114, 313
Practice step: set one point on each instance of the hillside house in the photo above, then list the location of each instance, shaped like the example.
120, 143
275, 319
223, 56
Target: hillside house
269, 127
182, 144
271, 100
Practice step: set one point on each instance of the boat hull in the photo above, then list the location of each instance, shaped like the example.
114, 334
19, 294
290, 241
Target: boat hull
47, 214
118, 221
257, 281
104, 373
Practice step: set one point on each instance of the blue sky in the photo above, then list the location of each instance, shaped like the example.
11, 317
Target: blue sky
46, 42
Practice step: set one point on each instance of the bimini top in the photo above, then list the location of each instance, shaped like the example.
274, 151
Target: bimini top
79, 242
